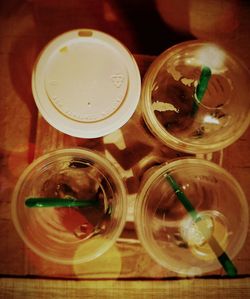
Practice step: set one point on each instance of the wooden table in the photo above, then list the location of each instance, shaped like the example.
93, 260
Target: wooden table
125, 270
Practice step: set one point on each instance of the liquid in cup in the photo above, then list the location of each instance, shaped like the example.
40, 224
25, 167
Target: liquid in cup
169, 96
63, 234
167, 230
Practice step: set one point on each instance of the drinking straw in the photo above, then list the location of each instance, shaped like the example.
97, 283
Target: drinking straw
222, 257
201, 87
45, 202
183, 198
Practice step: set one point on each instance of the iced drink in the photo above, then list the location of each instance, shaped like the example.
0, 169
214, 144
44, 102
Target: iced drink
188, 240
80, 181
59, 233
177, 116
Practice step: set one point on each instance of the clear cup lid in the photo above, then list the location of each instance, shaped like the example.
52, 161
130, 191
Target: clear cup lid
86, 83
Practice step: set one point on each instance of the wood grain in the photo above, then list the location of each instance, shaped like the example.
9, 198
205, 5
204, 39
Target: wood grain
178, 289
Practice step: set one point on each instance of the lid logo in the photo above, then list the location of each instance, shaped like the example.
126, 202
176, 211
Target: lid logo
117, 79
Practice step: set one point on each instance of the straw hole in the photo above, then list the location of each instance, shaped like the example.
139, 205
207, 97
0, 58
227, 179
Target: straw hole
85, 33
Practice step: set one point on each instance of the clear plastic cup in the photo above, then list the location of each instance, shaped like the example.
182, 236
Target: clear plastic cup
70, 235
166, 228
169, 99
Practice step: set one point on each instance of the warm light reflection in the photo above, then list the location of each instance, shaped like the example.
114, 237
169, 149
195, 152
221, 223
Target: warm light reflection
203, 19
108, 265
186, 186
209, 119
213, 57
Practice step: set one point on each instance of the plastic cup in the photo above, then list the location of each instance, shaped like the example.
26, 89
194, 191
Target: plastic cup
69, 235
86, 83
167, 230
169, 96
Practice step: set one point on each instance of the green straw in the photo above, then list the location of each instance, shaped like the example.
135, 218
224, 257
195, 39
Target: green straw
222, 257
45, 202
182, 198
201, 87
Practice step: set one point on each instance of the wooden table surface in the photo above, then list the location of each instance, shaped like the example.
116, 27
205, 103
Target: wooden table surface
125, 270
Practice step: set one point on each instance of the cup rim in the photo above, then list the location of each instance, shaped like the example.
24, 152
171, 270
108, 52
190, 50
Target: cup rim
104, 162
142, 199
155, 126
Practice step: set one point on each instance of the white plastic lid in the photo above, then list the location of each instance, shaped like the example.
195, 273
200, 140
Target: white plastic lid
86, 83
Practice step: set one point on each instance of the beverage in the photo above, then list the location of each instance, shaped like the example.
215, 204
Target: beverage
168, 229
82, 182
172, 110
86, 83
60, 233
